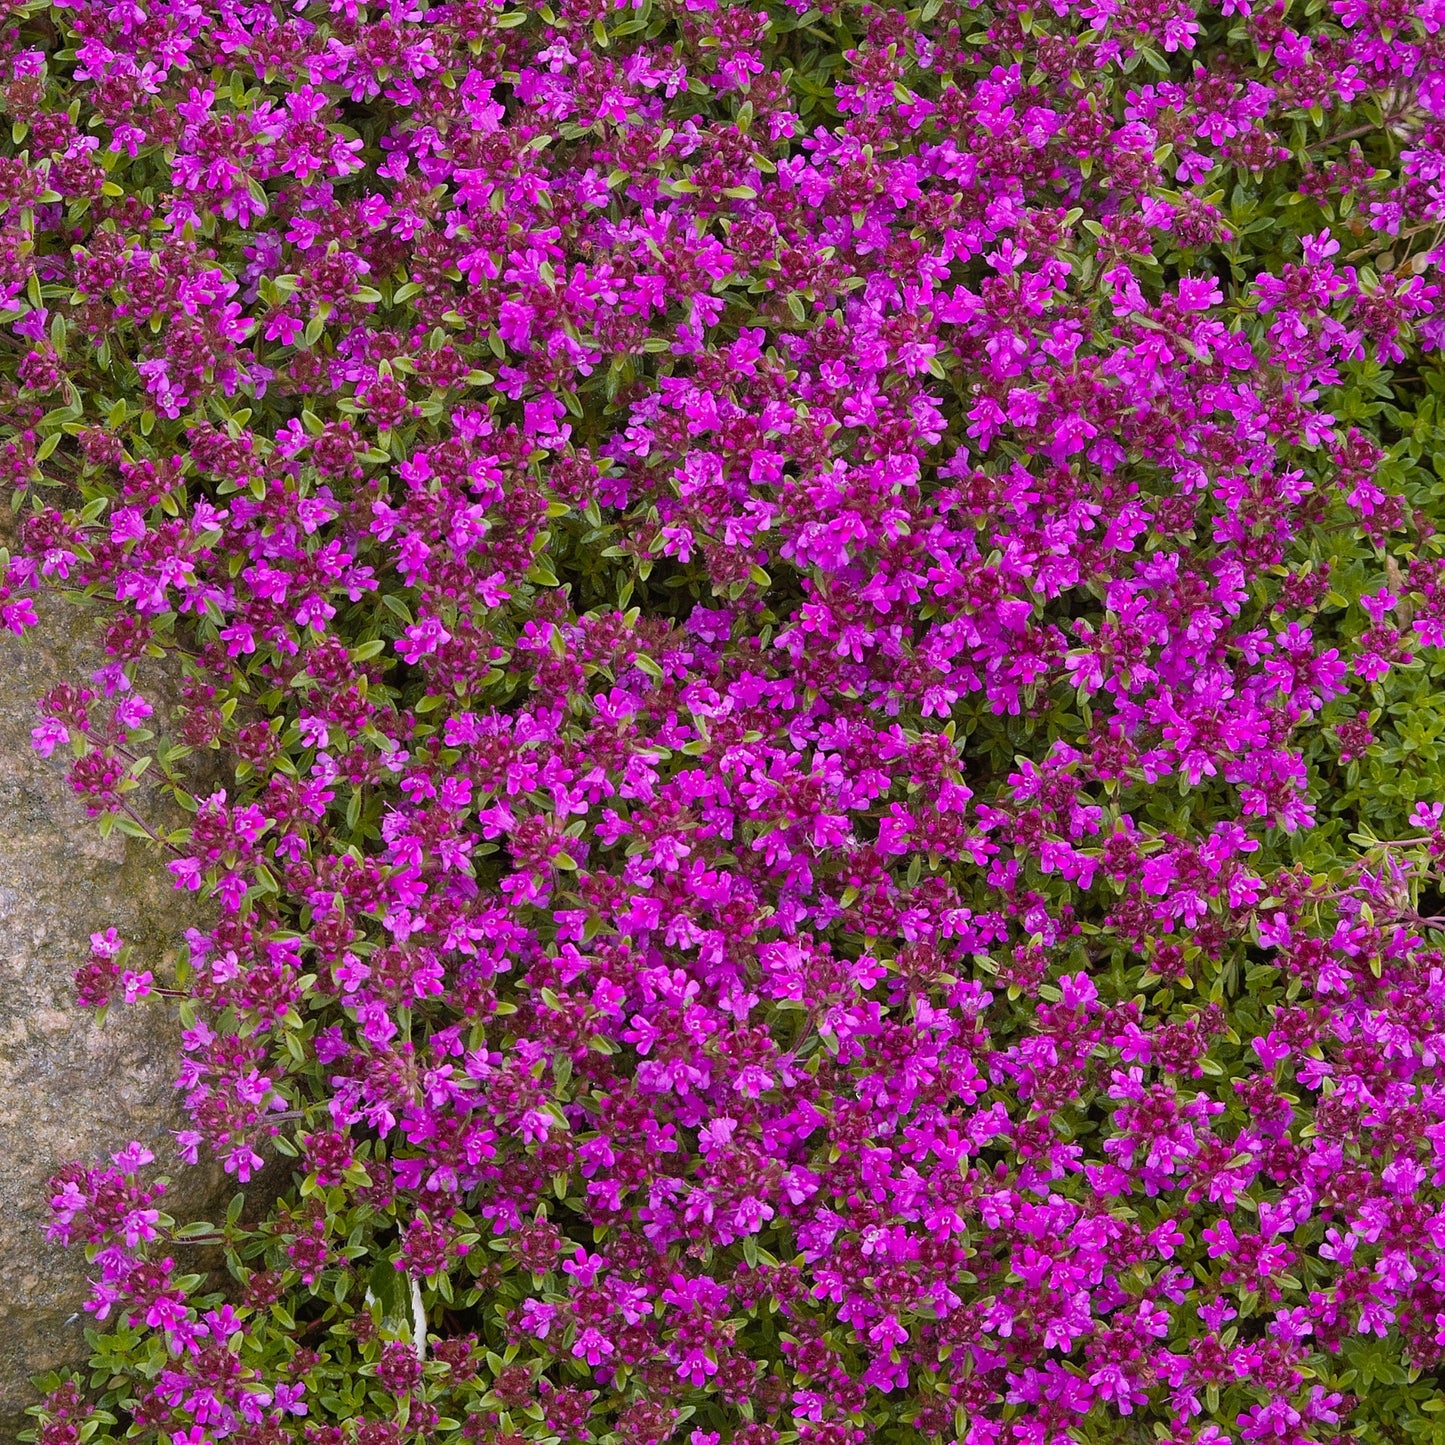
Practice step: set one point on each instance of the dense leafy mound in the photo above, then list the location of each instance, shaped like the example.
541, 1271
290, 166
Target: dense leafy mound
822, 632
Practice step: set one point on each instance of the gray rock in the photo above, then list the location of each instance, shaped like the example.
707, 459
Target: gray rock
71, 1087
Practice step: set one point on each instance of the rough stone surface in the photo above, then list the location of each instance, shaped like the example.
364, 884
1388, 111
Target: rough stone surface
70, 1086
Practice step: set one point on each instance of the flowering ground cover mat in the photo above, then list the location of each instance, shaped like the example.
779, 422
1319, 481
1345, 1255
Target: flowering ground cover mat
815, 639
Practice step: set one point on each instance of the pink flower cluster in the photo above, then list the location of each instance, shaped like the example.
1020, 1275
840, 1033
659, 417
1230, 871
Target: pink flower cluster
754, 594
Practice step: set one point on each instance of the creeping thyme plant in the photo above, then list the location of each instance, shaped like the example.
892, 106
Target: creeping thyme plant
817, 635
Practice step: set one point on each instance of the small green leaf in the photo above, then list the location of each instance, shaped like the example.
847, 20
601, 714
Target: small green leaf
396, 606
